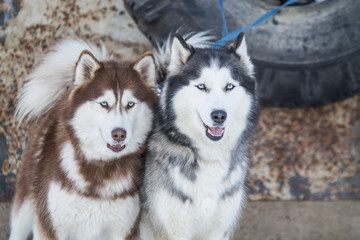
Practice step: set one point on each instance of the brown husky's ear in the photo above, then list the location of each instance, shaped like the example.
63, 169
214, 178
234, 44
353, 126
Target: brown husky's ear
145, 66
85, 67
180, 52
239, 46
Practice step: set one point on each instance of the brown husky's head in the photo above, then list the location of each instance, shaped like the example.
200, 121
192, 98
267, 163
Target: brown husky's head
111, 105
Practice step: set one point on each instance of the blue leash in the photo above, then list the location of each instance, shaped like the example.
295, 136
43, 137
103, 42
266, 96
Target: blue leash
225, 31
227, 37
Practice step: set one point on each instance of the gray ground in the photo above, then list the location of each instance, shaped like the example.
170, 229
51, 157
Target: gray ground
280, 220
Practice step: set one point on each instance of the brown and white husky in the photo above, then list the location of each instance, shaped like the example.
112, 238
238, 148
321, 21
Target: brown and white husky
80, 173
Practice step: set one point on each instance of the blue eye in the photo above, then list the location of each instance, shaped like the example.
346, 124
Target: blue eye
130, 104
229, 87
104, 104
201, 87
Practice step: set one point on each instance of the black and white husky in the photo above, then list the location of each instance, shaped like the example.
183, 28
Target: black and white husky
198, 154
81, 170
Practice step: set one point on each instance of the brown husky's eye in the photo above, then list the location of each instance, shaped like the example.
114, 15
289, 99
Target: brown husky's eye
130, 105
104, 104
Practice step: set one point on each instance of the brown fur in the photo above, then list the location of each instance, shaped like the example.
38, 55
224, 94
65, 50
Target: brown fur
41, 160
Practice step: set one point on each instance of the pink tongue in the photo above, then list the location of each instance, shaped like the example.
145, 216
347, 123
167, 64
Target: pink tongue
216, 131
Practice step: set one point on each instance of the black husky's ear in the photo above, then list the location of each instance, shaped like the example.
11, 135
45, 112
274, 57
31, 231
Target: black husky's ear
180, 52
85, 67
239, 46
146, 67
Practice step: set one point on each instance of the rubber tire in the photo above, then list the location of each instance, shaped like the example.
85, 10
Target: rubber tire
304, 55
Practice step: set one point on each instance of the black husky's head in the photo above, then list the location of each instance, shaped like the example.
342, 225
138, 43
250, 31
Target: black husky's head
209, 97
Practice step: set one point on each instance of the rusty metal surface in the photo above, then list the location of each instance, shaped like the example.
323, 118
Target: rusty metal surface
297, 154
309, 153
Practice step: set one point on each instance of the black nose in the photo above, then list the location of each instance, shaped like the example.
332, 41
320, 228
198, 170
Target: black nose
218, 116
118, 134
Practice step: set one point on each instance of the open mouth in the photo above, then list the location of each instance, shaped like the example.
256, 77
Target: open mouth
116, 147
214, 133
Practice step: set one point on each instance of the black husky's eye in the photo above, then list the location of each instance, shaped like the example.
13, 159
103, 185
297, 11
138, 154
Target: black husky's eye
130, 105
104, 104
229, 87
202, 87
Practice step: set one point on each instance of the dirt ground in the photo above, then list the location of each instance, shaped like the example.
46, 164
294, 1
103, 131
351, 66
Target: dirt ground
279, 220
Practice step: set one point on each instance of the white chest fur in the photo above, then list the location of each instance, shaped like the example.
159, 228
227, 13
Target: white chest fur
77, 217
206, 214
